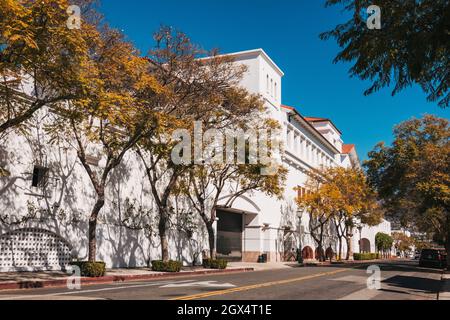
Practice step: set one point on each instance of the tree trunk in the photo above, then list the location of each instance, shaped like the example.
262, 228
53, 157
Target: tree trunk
320, 251
162, 228
340, 248
93, 228
349, 239
211, 240
447, 249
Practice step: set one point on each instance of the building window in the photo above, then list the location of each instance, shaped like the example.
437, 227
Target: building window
308, 152
3, 157
276, 90
289, 139
296, 143
40, 176
267, 84
301, 192
303, 147
271, 87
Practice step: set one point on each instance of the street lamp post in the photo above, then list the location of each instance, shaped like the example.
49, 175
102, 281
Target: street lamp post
300, 245
360, 227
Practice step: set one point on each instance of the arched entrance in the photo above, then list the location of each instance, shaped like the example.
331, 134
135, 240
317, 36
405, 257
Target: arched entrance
290, 245
33, 249
307, 253
365, 245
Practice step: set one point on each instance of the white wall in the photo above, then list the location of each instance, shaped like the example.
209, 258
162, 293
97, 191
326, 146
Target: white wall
72, 191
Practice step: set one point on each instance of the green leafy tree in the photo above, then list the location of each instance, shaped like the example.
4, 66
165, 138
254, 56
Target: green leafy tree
384, 243
412, 46
412, 176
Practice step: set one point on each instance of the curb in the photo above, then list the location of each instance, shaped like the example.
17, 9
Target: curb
111, 279
444, 292
344, 263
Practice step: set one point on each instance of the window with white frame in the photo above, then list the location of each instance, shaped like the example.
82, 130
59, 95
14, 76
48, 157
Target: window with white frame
308, 151
303, 148
296, 143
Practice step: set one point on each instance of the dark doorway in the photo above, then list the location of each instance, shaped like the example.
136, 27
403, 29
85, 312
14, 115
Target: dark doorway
307, 253
229, 235
365, 245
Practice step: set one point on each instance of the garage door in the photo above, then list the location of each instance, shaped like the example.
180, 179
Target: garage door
229, 236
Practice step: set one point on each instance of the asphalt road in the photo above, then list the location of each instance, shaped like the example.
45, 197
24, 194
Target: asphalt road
399, 281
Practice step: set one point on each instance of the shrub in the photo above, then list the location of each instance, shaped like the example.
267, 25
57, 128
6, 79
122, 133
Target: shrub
206, 263
166, 266
215, 264
366, 256
91, 269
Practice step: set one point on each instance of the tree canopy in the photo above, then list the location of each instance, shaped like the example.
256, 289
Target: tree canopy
383, 242
412, 46
42, 61
341, 195
412, 176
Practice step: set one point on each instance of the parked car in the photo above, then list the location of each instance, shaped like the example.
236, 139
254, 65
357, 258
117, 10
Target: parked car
433, 258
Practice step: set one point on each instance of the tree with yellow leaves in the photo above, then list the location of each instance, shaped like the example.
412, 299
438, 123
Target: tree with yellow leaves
340, 195
42, 61
226, 176
113, 117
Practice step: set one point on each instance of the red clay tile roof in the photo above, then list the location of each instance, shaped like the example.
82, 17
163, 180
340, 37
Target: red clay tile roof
315, 119
347, 148
287, 107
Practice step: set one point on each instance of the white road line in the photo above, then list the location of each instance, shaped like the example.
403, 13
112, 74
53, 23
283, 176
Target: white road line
79, 292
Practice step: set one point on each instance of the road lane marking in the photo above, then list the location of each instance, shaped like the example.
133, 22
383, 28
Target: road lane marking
78, 292
258, 286
203, 284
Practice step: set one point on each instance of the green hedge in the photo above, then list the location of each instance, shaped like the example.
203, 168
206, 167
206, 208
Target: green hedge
168, 266
366, 256
215, 264
91, 269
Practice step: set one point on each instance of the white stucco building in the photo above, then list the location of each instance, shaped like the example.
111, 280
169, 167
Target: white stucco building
256, 224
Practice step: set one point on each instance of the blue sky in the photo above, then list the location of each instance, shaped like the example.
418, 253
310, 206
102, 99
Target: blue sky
288, 31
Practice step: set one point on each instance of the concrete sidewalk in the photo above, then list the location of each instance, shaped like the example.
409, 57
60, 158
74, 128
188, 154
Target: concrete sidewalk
263, 266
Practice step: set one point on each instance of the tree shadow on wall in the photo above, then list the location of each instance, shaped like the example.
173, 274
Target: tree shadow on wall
130, 243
